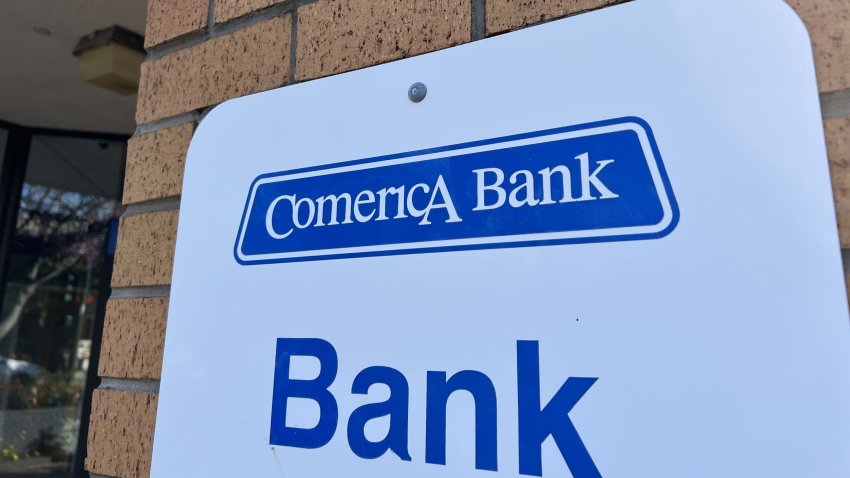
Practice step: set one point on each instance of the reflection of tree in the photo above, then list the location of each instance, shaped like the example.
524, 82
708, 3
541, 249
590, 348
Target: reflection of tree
55, 230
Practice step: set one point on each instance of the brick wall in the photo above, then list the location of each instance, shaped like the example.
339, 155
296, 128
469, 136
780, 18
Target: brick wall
202, 52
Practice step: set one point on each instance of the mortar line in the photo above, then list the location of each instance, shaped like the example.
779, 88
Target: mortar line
211, 17
835, 104
293, 46
174, 45
171, 203
141, 292
479, 20
135, 385
167, 122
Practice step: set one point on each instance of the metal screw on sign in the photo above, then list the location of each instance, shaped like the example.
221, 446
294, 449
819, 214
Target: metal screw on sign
417, 92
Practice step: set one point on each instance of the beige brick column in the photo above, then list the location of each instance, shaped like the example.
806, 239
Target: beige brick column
203, 52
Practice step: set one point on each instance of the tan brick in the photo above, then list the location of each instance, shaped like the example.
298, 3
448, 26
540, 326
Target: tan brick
155, 163
120, 437
133, 338
504, 15
169, 19
229, 9
252, 59
828, 22
838, 144
342, 35
145, 251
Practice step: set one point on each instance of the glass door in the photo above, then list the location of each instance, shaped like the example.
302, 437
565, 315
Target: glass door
56, 280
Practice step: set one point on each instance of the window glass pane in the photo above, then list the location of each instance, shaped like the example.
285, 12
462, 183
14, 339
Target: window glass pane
3, 137
58, 256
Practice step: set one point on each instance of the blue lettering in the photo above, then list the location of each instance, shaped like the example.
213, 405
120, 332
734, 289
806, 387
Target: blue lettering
586, 183
316, 390
396, 407
484, 394
536, 424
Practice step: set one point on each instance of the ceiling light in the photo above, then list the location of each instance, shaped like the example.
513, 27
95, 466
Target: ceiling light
111, 58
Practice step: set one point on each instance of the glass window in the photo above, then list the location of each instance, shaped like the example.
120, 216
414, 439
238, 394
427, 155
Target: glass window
4, 134
57, 265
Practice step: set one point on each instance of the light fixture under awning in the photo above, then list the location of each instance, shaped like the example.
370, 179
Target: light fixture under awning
111, 58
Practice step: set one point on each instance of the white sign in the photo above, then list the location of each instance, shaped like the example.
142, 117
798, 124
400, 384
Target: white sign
600, 247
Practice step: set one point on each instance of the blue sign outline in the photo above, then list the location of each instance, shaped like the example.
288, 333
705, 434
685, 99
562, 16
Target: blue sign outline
668, 190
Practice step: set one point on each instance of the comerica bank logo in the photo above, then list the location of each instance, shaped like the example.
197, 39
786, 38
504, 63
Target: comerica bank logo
596, 182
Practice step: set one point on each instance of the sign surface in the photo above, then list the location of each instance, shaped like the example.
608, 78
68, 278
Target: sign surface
600, 247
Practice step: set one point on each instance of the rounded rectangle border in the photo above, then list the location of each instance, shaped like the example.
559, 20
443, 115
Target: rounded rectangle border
649, 146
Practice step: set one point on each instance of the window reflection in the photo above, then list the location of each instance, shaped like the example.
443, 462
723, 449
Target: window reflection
4, 134
68, 205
